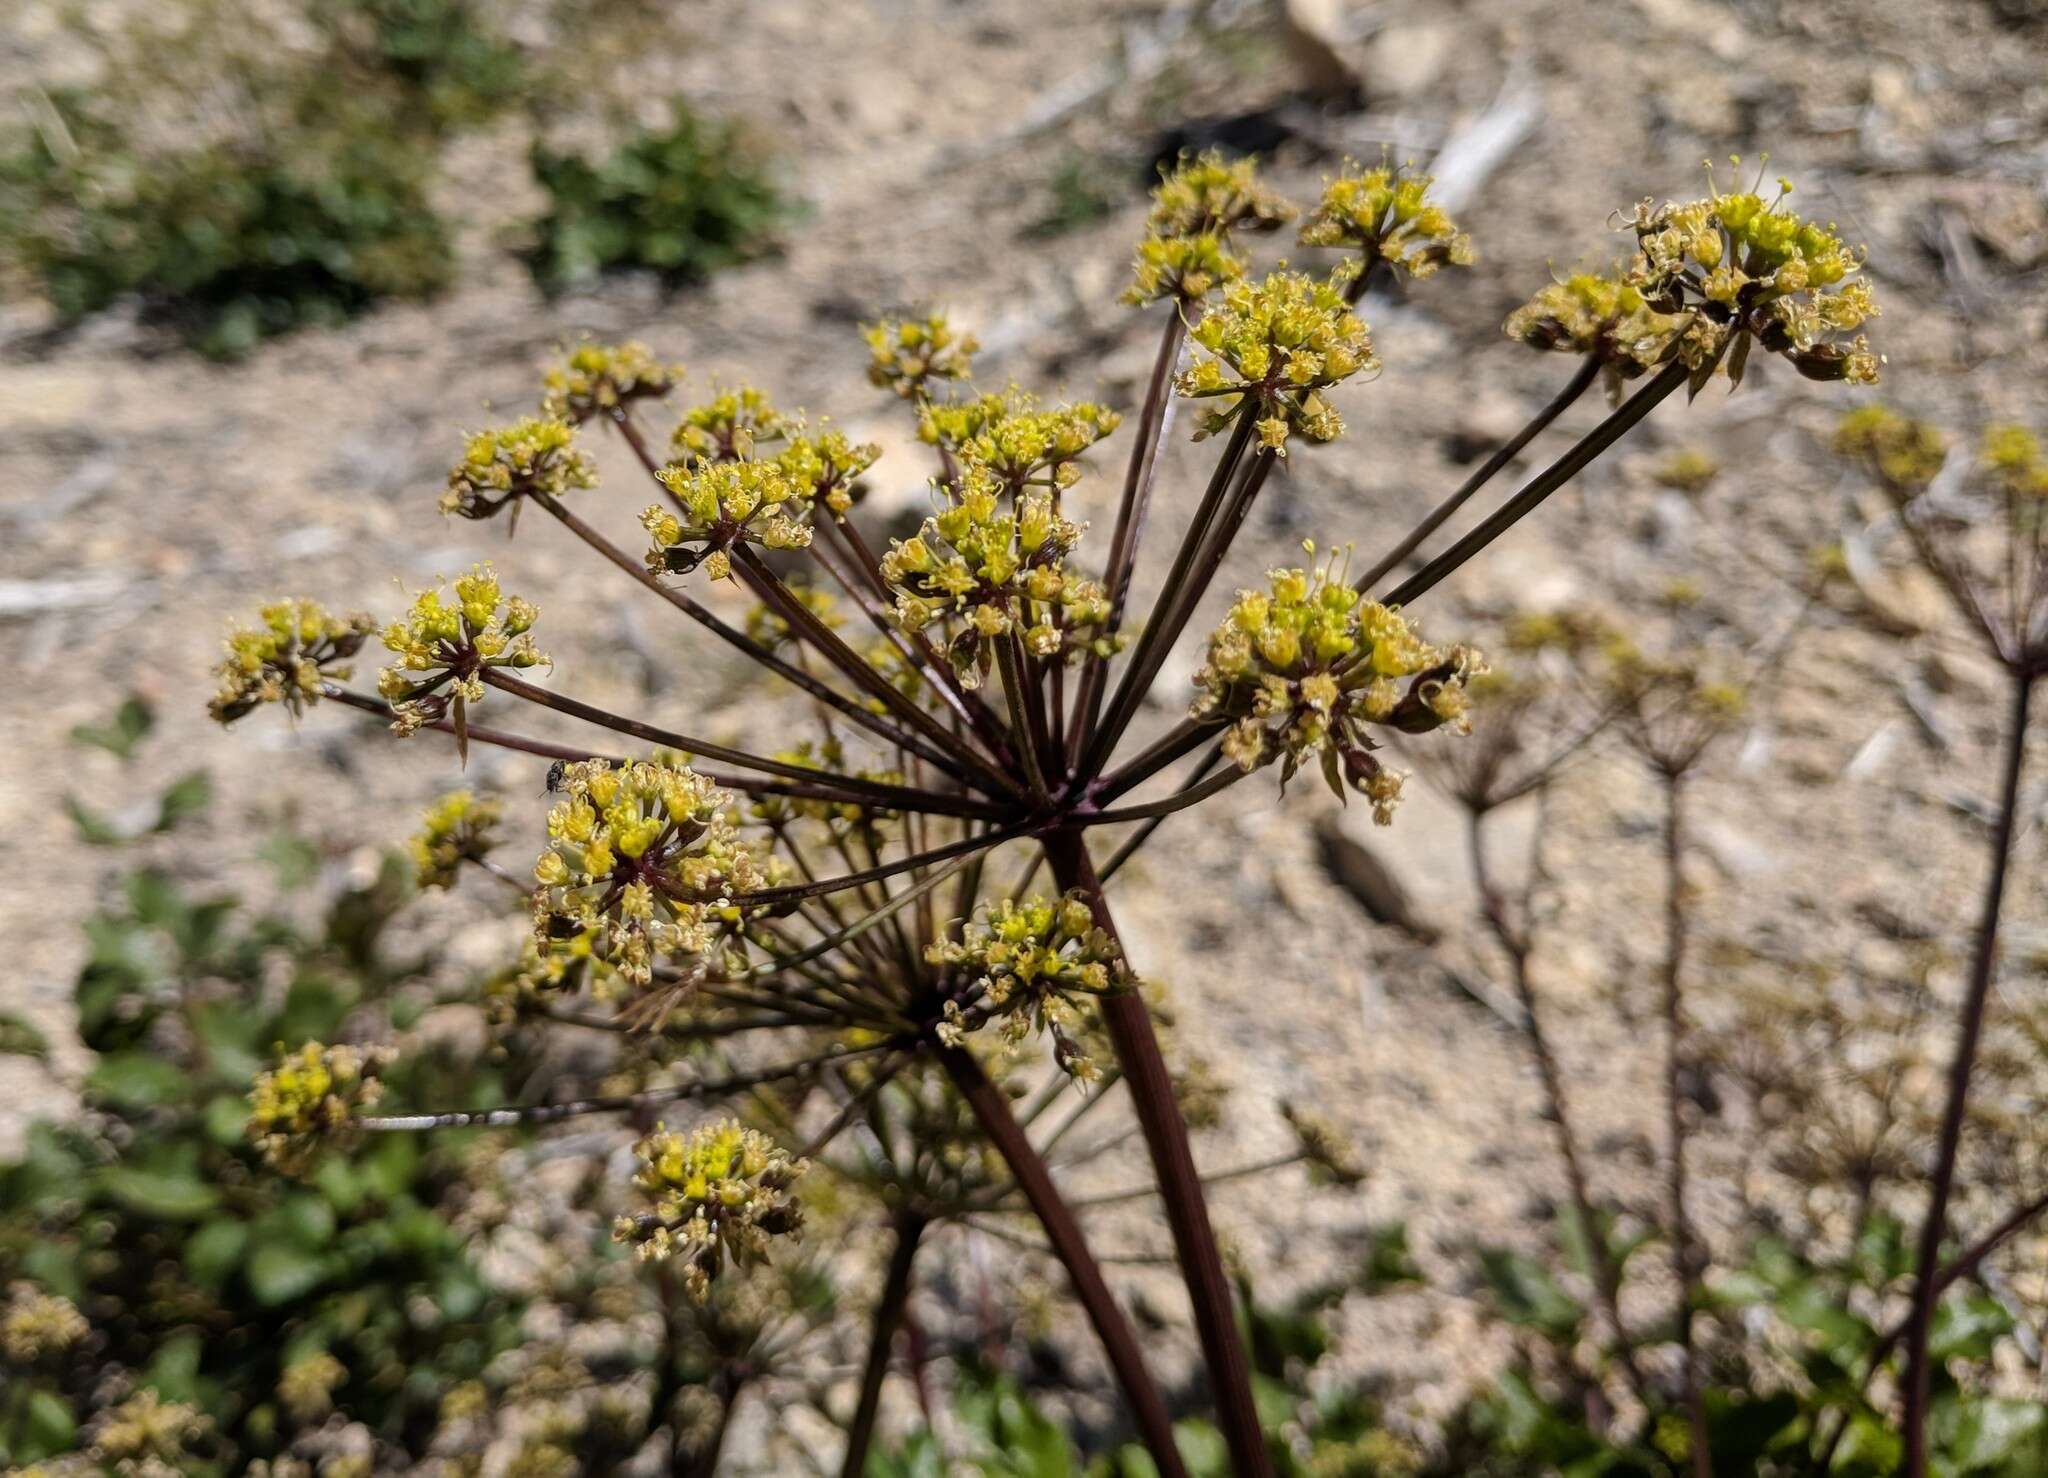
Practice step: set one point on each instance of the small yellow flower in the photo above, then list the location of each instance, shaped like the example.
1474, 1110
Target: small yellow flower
309, 1100
1276, 346
720, 1195
906, 355
284, 658
601, 379
458, 828
1385, 215
1032, 964
530, 456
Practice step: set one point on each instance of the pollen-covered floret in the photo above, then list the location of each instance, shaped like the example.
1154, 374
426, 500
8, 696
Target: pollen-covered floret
534, 455
1032, 965
721, 504
1904, 453
1185, 268
728, 426
1750, 270
1010, 435
992, 568
459, 827
2012, 455
36, 1326
1385, 215
721, 1194
310, 1100
600, 379
643, 864
1303, 669
1605, 316
906, 355
827, 463
148, 1435
443, 647
283, 658
1209, 194
1274, 347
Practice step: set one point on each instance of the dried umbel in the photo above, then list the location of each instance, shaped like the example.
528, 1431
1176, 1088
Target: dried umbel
293, 648
721, 1194
1031, 965
644, 864
311, 1099
1303, 671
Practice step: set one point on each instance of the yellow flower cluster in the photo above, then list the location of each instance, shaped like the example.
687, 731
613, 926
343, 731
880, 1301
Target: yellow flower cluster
844, 818
599, 379
459, 827
906, 355
1590, 313
728, 426
534, 455
1185, 253
990, 567
147, 1435
721, 1194
441, 643
1750, 270
1210, 194
284, 656
35, 1325
721, 504
306, 1387
1185, 268
644, 859
1030, 963
1301, 670
309, 1099
1274, 347
828, 464
2013, 456
1012, 437
1903, 452
1386, 216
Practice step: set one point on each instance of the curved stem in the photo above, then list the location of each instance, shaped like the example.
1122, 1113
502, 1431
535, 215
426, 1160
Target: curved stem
1180, 1182
1587, 372
888, 1320
1119, 1342
1969, 1029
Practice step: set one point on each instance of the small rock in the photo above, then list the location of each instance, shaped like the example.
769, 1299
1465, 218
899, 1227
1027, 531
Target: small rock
1366, 878
1404, 61
1486, 421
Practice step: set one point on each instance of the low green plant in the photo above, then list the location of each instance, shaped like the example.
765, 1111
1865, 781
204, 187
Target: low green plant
155, 1277
681, 201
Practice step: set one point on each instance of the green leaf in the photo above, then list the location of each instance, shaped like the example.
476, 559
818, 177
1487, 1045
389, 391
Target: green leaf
1527, 1295
129, 726
136, 1080
93, 829
280, 1271
1389, 1263
166, 1194
19, 1038
48, 1428
1967, 1325
186, 796
213, 1252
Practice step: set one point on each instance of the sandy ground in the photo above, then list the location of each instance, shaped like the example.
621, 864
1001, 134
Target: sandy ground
146, 498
